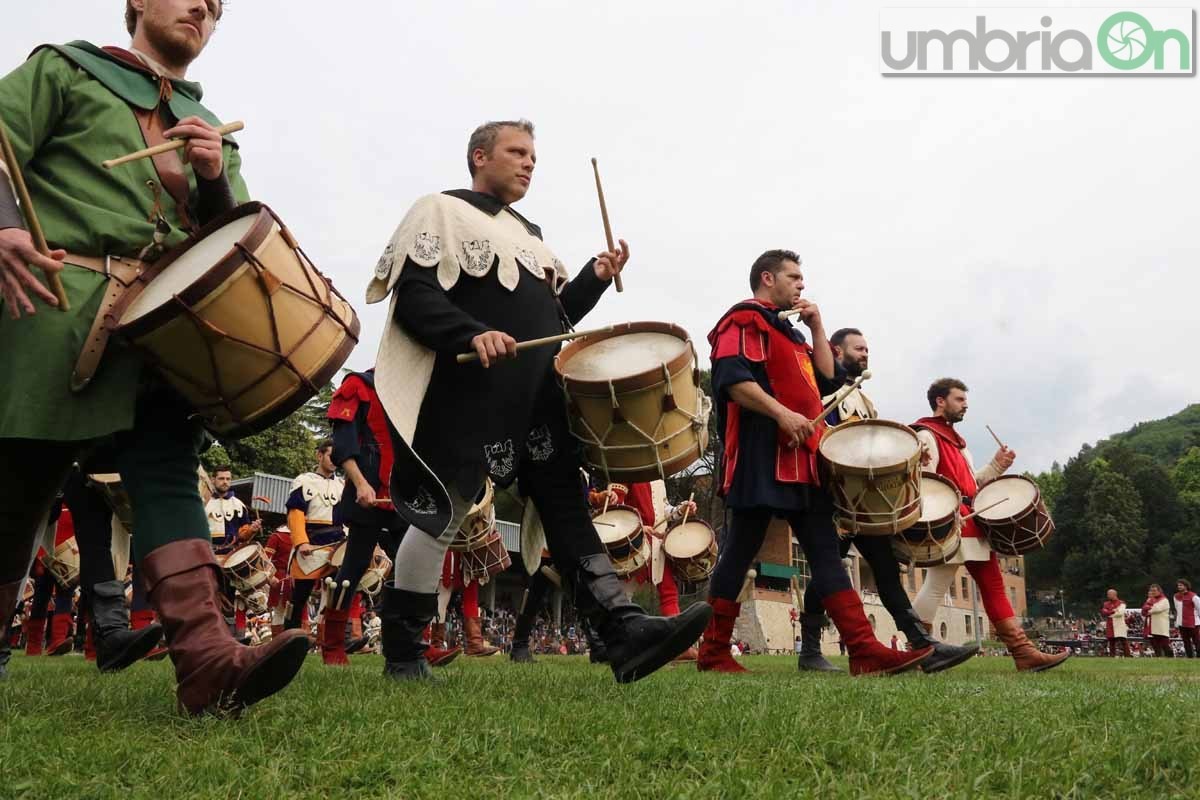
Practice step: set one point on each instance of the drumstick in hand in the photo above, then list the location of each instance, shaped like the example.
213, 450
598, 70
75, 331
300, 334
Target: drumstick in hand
467, 358
166, 147
688, 508
607, 228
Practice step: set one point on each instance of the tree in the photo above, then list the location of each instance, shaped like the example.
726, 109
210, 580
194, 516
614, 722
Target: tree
286, 448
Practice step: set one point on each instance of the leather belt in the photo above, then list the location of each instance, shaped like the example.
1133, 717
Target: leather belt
123, 274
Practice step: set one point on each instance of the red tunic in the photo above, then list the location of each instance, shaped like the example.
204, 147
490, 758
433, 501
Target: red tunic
952, 464
1185, 603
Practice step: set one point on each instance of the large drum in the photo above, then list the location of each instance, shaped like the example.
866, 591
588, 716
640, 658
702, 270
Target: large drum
874, 476
488, 558
634, 400
321, 561
376, 575
248, 569
479, 523
1018, 523
620, 531
691, 550
934, 539
64, 563
240, 322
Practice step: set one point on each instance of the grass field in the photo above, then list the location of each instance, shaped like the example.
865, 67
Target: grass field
563, 728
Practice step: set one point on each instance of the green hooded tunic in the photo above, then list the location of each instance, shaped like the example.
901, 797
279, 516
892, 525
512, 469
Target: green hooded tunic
67, 109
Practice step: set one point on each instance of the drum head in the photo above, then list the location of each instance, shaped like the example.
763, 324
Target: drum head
617, 525
1015, 493
183, 271
623, 356
938, 498
241, 556
688, 540
870, 443
106, 479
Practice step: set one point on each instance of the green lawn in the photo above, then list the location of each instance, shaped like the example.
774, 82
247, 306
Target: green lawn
562, 728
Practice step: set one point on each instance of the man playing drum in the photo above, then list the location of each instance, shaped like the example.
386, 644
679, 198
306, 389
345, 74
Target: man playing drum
765, 384
228, 527
949, 457
852, 356
503, 417
50, 107
314, 517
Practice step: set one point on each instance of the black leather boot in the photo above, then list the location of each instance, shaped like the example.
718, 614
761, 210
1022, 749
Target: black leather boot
944, 656
637, 643
402, 622
520, 652
597, 652
811, 659
116, 645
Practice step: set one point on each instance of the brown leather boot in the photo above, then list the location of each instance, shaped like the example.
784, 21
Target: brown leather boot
438, 655
214, 673
476, 646
1027, 657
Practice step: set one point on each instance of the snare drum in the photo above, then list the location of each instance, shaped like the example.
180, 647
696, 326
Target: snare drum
322, 561
1020, 523
874, 476
934, 539
691, 550
376, 575
620, 530
240, 322
247, 569
64, 563
634, 400
486, 560
255, 603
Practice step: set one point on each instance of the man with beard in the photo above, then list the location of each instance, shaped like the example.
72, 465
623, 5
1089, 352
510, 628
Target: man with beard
767, 385
66, 110
851, 355
467, 273
949, 457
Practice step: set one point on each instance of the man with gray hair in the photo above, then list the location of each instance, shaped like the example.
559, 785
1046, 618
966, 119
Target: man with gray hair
467, 273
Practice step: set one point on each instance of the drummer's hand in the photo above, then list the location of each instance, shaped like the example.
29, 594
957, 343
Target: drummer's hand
686, 507
17, 254
366, 495
204, 146
610, 262
494, 344
257, 525
305, 549
809, 313
798, 426
1004, 458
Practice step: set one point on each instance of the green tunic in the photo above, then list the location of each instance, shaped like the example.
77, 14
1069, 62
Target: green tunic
67, 109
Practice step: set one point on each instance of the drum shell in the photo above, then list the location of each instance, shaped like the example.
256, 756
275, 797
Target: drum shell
251, 573
63, 563
482, 563
678, 420
876, 501
293, 330
696, 568
625, 546
931, 542
1024, 532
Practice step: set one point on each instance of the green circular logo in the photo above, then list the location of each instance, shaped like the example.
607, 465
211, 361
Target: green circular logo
1125, 40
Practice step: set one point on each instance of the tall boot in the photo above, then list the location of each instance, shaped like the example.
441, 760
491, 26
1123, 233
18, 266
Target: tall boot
60, 635
944, 655
714, 650
438, 655
476, 644
402, 623
213, 672
811, 658
637, 643
8, 601
333, 638
1027, 657
35, 633
867, 655
116, 645
522, 628
597, 651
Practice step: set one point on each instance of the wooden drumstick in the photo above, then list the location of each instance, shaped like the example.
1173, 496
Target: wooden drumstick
607, 495
31, 217
166, 147
994, 436
467, 358
691, 499
986, 508
607, 227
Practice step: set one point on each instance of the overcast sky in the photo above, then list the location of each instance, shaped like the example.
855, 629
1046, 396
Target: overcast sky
1035, 237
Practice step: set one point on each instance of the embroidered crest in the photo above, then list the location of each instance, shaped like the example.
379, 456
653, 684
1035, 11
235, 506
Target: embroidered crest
477, 257
500, 458
423, 503
427, 247
540, 444
383, 267
529, 260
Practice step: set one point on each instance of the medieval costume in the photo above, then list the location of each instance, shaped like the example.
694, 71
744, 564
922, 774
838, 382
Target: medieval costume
460, 264
877, 552
950, 458
1156, 611
1187, 618
78, 403
314, 517
1115, 627
762, 476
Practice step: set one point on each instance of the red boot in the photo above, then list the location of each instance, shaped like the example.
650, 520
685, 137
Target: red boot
437, 654
867, 655
213, 672
714, 649
333, 640
35, 633
60, 635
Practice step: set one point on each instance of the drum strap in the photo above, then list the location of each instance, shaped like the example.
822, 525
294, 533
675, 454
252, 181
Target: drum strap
122, 274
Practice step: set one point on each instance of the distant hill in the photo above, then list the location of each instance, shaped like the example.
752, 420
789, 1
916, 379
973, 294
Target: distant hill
1164, 440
